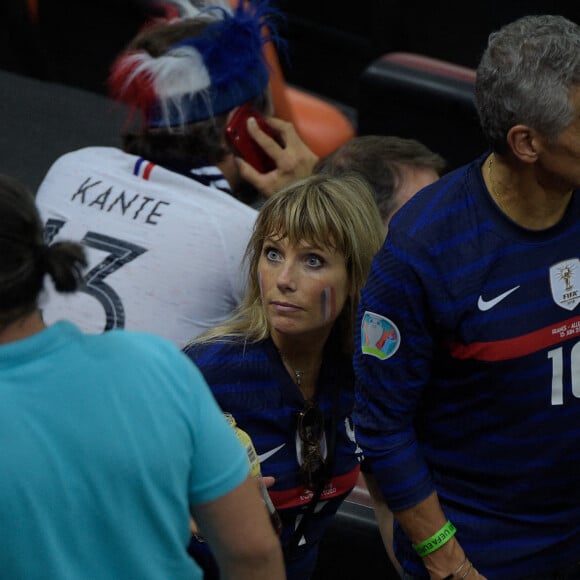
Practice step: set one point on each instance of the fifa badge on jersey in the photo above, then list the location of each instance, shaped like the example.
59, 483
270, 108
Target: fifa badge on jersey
563, 278
380, 336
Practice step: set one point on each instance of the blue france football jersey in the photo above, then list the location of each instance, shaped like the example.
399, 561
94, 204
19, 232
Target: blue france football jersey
250, 382
468, 375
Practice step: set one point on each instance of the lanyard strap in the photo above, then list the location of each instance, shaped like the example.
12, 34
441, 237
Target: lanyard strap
298, 532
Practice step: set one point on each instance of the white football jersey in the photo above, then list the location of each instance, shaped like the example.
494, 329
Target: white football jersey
165, 250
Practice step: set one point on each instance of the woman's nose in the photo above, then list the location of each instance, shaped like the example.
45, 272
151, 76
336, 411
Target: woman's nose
287, 276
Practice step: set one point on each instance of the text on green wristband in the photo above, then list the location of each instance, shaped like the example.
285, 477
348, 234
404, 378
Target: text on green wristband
437, 540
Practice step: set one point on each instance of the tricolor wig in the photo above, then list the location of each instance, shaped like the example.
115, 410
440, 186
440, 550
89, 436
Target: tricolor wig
216, 64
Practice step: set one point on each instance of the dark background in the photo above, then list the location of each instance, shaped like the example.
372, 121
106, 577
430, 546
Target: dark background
332, 48
329, 42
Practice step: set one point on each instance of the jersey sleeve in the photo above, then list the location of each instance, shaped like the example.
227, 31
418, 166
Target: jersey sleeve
393, 357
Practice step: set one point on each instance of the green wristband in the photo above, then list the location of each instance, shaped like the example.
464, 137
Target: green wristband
436, 540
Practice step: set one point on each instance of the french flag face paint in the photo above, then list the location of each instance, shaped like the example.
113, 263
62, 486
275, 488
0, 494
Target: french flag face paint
327, 304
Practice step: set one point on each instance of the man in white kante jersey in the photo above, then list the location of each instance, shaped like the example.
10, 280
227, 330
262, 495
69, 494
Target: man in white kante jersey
164, 229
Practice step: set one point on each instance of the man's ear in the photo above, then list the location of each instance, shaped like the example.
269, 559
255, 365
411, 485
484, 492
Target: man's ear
524, 143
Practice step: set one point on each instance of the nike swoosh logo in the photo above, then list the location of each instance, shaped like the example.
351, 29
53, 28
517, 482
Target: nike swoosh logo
484, 305
268, 454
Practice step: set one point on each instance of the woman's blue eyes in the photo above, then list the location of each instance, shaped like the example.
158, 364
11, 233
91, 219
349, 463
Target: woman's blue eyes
272, 254
314, 261
311, 260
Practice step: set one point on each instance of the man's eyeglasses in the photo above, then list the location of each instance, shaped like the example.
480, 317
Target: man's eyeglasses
311, 433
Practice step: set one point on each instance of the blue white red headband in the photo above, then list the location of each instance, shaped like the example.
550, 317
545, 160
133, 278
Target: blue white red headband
201, 76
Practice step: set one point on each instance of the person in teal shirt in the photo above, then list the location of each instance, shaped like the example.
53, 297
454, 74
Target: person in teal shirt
110, 442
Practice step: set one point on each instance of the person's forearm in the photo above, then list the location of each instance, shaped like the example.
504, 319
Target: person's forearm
422, 521
240, 534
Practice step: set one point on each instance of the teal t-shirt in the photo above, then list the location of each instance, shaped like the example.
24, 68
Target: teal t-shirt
106, 441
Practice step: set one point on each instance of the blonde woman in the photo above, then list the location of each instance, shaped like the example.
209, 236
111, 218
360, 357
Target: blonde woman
282, 365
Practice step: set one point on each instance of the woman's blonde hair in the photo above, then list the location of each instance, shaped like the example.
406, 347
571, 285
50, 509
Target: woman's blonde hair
323, 211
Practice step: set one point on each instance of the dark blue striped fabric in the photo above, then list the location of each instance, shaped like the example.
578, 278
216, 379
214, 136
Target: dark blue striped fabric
251, 382
481, 400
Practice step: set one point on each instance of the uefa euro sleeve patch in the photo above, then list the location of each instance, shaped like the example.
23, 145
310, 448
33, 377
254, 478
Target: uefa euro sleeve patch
380, 336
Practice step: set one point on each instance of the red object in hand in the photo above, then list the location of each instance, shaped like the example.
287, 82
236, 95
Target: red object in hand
242, 142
